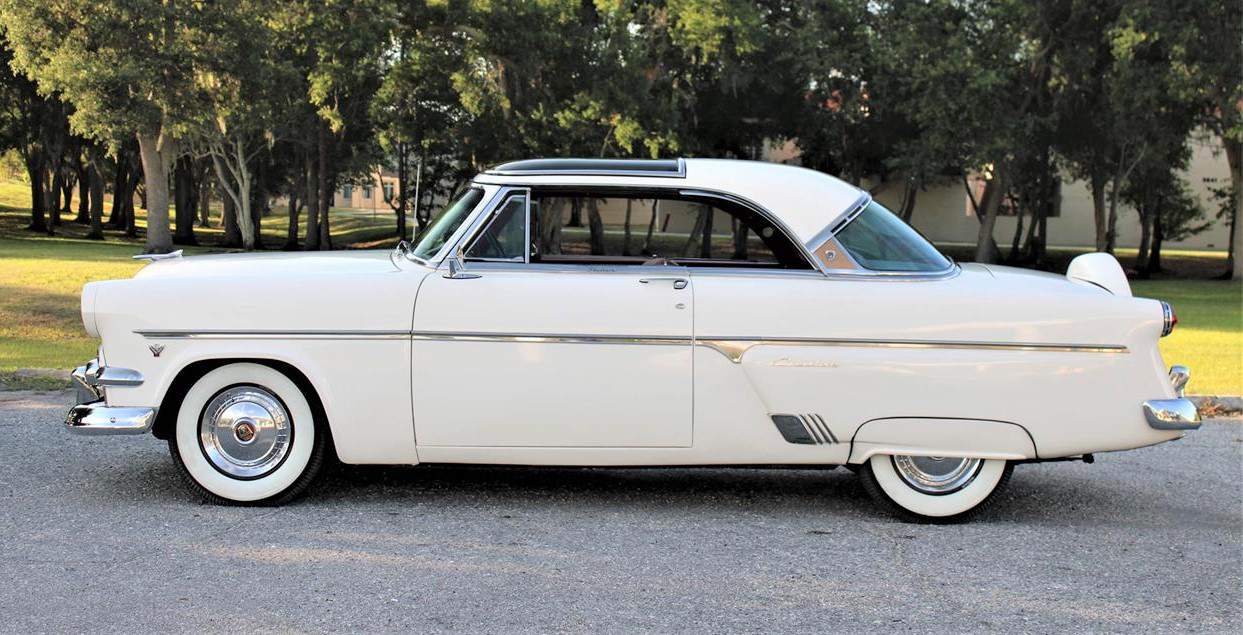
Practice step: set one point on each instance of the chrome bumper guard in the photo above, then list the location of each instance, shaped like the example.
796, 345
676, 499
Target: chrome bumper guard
1173, 414
92, 415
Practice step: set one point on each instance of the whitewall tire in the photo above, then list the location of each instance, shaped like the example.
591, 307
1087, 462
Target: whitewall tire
934, 489
245, 434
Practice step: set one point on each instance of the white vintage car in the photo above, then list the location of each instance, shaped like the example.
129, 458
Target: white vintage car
584, 312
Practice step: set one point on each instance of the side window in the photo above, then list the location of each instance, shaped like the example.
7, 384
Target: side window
574, 227
504, 238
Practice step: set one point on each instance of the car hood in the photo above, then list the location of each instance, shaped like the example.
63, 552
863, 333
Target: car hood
295, 263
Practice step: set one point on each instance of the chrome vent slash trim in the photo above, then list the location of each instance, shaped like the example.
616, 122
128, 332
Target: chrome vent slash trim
804, 429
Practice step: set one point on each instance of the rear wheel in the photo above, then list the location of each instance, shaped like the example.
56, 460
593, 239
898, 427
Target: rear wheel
933, 488
245, 434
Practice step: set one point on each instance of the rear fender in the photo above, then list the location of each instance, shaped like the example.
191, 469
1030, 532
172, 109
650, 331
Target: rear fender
930, 436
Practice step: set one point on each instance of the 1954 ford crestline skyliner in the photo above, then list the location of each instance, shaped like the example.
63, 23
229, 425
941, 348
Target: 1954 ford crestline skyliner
622, 313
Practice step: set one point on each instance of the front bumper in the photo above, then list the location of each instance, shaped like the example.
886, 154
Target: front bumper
92, 415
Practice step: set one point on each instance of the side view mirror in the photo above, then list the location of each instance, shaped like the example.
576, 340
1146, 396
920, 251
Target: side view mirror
457, 266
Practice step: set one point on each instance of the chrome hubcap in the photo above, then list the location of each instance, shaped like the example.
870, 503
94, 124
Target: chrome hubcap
245, 431
936, 474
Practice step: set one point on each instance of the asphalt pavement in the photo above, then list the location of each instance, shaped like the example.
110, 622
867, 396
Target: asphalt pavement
98, 534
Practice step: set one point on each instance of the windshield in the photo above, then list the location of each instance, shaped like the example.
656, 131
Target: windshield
450, 218
880, 241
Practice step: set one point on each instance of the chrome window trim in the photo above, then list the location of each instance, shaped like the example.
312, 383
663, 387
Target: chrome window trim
762, 211
490, 217
679, 174
495, 202
490, 192
841, 222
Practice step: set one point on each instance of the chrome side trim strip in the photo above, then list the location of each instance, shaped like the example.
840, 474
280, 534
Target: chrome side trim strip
275, 335
540, 338
735, 348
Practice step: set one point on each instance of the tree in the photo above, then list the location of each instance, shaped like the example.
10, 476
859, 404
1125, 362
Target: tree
1203, 39
126, 70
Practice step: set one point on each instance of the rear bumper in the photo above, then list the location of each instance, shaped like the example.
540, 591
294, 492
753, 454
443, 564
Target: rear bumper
92, 415
1171, 414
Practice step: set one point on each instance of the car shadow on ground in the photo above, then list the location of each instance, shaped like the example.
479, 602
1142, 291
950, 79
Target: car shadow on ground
1049, 494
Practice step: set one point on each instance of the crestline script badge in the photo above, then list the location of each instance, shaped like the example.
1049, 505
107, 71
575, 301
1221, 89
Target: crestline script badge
802, 363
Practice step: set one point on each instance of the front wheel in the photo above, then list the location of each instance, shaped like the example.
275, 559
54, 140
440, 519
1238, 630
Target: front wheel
933, 488
245, 434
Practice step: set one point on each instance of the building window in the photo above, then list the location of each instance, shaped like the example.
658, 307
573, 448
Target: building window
347, 192
388, 191
367, 192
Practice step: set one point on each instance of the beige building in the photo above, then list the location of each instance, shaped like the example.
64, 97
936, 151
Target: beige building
943, 212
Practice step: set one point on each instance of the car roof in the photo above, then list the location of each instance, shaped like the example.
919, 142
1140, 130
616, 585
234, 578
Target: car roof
805, 201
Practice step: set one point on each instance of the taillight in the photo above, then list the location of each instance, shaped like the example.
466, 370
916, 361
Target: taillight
1169, 319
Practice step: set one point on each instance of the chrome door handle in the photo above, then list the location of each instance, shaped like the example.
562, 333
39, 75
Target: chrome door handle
678, 283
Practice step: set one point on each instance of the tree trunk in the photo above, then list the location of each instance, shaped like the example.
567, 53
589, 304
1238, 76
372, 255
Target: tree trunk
596, 225
909, 193
1098, 212
740, 239
706, 248
291, 234
85, 175
1145, 236
1234, 158
1154, 252
695, 233
400, 196
1016, 242
116, 219
985, 246
156, 151
1111, 233
34, 170
312, 200
651, 226
183, 200
53, 198
626, 228
258, 203
95, 177
232, 234
325, 189
204, 199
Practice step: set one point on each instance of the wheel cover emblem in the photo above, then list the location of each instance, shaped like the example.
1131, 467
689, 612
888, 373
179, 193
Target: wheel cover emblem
245, 432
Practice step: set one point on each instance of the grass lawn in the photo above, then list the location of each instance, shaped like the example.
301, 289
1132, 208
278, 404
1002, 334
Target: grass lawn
1209, 335
41, 278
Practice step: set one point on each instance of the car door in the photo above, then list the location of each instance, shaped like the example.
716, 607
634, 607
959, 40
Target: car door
515, 353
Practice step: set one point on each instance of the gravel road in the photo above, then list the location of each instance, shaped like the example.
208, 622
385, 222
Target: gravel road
99, 535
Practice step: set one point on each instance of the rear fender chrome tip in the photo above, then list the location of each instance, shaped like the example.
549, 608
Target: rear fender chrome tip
1171, 414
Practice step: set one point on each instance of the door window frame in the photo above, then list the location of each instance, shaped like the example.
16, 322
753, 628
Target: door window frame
477, 226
